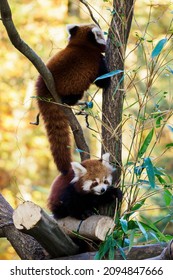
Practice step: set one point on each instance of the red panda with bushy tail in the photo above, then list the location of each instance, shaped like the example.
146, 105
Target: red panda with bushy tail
81, 187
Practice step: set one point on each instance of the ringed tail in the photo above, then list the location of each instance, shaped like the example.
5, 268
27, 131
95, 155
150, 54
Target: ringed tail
57, 128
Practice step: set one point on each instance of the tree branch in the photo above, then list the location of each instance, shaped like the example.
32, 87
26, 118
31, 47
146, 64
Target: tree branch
85, 3
19, 44
135, 253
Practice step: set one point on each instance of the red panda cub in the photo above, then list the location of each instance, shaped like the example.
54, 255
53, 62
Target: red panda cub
86, 187
74, 69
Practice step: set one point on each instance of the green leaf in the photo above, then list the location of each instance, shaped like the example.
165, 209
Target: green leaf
158, 121
142, 229
170, 127
79, 150
104, 248
138, 205
161, 180
110, 74
124, 225
170, 145
131, 238
154, 235
121, 251
138, 170
153, 227
111, 254
150, 171
157, 171
167, 197
164, 220
158, 48
146, 143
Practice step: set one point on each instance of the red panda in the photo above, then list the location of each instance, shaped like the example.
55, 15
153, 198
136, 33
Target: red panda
85, 188
74, 69
81, 188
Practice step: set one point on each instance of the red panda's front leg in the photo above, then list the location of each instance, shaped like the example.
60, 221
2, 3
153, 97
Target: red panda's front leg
103, 69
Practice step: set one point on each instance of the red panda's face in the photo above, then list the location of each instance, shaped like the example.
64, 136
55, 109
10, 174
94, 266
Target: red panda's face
93, 176
87, 33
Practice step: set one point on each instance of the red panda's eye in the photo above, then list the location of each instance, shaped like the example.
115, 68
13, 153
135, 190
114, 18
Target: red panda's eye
94, 184
106, 182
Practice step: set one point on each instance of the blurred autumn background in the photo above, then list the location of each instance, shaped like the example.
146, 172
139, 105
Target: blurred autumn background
26, 165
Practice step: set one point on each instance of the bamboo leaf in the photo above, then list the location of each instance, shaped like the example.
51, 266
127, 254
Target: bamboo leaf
170, 145
146, 143
158, 48
131, 238
138, 205
124, 225
150, 171
142, 229
153, 227
170, 69
170, 127
108, 75
167, 197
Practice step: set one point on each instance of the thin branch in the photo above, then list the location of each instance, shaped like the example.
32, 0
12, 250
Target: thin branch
19, 44
85, 3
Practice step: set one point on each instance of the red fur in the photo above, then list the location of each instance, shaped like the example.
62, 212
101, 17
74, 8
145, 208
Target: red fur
74, 69
59, 186
68, 196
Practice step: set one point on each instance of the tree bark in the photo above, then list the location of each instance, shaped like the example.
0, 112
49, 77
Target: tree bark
156, 251
113, 97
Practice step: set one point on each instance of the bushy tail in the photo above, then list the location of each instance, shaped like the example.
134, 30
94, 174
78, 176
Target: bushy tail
57, 128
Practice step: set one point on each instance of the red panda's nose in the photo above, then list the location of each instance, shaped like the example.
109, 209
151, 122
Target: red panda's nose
103, 190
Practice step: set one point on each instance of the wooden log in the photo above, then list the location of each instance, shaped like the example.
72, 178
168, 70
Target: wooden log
156, 251
25, 246
31, 219
95, 227
166, 254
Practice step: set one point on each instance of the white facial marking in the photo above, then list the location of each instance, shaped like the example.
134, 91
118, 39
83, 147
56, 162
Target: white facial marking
87, 185
79, 171
99, 35
109, 179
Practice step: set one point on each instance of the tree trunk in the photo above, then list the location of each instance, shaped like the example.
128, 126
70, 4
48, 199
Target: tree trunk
113, 97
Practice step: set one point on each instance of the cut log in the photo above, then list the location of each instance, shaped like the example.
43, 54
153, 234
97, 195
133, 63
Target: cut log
95, 227
31, 219
54, 235
25, 246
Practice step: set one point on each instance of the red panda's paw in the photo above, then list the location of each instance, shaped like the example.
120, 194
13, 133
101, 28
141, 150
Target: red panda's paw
115, 193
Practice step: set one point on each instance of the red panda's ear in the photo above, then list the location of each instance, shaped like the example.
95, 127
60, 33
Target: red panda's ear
105, 161
72, 29
99, 36
79, 171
